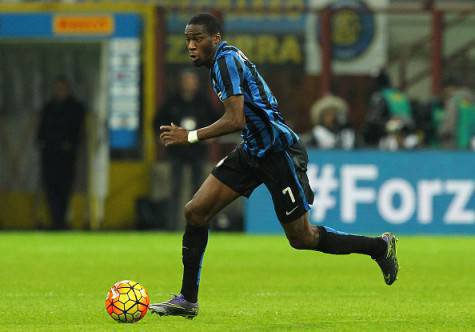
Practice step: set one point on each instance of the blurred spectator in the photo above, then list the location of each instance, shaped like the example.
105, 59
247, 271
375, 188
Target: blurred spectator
397, 136
329, 125
428, 121
389, 122
58, 138
457, 127
188, 108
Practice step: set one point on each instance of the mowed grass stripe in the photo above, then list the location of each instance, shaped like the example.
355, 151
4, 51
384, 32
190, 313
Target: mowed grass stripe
58, 282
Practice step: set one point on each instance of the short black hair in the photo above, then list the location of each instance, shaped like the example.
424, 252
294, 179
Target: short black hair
210, 22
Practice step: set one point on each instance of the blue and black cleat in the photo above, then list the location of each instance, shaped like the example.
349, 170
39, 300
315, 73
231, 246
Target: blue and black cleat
388, 262
176, 306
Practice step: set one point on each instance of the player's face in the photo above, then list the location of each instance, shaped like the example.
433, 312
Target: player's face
200, 45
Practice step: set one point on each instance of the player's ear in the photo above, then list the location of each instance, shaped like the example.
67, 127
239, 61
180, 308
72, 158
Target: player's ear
216, 39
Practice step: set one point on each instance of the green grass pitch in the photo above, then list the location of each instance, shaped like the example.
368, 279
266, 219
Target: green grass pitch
58, 282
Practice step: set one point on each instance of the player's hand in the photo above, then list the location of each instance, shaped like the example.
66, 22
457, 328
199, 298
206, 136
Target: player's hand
172, 134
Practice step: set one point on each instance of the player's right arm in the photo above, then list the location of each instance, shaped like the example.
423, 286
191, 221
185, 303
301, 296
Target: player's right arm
228, 76
232, 120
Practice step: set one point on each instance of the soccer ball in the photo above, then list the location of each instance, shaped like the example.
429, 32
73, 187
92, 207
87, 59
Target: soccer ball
127, 301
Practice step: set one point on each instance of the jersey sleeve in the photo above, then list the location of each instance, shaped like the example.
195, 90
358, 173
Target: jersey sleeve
229, 76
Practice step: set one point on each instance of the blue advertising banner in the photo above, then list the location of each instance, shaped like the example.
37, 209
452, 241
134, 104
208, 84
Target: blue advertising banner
25, 25
49, 25
423, 192
266, 38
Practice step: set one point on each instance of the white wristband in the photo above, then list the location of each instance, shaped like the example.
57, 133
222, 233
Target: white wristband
193, 136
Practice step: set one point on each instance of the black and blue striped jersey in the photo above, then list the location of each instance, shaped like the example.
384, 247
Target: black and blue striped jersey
232, 74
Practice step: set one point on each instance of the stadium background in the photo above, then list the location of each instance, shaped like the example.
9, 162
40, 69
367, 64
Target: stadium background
112, 47
123, 58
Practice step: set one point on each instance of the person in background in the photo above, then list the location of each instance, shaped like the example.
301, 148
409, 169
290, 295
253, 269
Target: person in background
58, 138
457, 126
389, 122
428, 119
188, 108
330, 125
398, 136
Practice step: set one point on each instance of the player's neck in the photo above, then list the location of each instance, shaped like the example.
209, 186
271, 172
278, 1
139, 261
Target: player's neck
210, 62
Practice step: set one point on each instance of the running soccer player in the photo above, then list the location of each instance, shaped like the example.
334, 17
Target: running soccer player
270, 154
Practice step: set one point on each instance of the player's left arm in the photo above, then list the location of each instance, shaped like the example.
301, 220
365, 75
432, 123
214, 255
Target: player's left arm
232, 120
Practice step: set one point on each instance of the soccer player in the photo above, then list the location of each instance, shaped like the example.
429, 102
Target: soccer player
270, 154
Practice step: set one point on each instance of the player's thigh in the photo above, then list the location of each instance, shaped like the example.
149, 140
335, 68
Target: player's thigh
232, 177
211, 197
288, 185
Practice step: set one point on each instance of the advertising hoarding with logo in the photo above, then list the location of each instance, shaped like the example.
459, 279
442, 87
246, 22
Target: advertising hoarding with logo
359, 37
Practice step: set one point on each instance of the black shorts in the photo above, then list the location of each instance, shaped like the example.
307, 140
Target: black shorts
283, 173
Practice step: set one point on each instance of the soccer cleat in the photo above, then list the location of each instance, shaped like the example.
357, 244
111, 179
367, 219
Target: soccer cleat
388, 262
176, 306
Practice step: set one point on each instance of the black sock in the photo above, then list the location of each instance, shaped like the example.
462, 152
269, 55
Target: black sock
338, 243
194, 245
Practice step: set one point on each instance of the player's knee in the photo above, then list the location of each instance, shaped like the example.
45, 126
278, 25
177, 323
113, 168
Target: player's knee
195, 215
303, 241
298, 243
